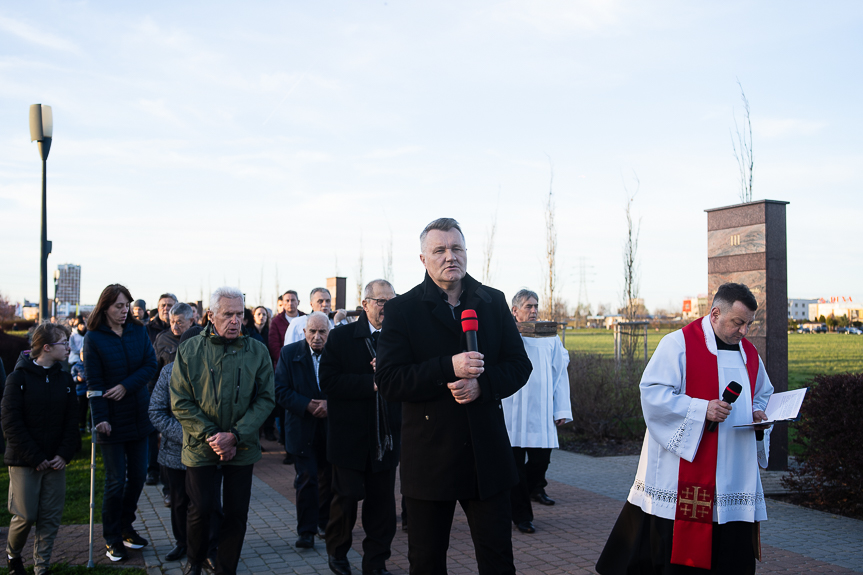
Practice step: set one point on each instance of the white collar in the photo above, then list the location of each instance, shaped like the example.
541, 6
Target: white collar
372, 328
710, 338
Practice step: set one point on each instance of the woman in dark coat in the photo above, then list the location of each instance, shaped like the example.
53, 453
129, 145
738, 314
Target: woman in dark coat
39, 414
119, 361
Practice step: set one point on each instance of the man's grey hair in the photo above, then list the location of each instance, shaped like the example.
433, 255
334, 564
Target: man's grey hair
317, 289
370, 287
442, 224
319, 315
522, 295
169, 295
182, 309
221, 293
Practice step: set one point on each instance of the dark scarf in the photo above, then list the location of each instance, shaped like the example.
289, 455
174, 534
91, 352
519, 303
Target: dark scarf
383, 435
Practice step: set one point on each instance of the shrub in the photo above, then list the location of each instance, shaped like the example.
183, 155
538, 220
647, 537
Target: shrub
605, 398
17, 324
831, 474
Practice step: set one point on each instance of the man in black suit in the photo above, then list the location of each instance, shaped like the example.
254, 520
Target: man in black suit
299, 392
363, 440
455, 442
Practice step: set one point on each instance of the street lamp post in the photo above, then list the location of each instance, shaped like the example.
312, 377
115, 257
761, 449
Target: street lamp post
41, 131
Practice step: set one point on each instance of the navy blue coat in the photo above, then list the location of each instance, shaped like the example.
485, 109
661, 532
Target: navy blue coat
295, 388
110, 360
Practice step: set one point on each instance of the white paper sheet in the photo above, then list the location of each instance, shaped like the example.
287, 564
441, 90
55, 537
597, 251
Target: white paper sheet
783, 406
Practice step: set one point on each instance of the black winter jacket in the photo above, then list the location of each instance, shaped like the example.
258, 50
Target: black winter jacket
129, 360
40, 414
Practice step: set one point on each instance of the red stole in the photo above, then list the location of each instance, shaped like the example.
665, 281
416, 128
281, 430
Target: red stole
692, 544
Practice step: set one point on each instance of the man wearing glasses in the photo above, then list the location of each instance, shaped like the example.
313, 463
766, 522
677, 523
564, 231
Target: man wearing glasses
364, 432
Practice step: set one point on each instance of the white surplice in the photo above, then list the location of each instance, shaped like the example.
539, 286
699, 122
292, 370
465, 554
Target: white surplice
676, 423
530, 412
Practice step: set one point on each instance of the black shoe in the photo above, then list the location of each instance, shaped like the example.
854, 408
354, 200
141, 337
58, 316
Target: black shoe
541, 497
152, 479
176, 553
269, 435
306, 541
116, 552
381, 571
168, 500
132, 540
16, 566
191, 569
525, 527
322, 533
288, 460
339, 566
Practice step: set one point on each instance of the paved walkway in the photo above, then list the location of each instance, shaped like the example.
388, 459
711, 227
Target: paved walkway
570, 535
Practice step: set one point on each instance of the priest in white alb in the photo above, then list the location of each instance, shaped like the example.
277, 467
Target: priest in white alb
534, 412
697, 497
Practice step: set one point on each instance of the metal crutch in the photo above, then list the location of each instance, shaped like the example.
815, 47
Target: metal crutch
91, 394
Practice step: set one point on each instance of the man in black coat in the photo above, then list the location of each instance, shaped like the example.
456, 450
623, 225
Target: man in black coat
298, 391
363, 440
455, 444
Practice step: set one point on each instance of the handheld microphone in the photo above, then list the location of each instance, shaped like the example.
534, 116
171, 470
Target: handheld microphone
730, 395
469, 325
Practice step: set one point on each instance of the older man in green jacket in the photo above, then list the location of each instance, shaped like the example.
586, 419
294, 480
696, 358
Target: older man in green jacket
221, 392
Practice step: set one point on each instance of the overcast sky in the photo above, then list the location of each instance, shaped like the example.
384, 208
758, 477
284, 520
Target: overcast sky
272, 143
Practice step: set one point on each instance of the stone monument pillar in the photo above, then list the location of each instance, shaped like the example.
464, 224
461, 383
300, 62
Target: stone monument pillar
746, 244
338, 291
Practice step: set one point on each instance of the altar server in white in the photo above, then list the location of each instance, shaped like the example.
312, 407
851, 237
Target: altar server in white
697, 497
533, 413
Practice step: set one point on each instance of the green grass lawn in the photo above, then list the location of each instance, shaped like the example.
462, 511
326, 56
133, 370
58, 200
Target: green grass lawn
808, 354
77, 508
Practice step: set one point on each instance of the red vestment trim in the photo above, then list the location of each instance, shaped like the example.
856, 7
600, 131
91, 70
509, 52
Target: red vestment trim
692, 544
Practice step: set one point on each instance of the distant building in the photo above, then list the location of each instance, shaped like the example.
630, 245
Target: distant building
67, 288
798, 309
837, 306
695, 307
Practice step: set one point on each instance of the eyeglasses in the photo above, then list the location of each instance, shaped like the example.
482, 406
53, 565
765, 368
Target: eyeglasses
379, 302
63, 343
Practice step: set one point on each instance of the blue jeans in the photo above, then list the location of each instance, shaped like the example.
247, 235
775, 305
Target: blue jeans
125, 472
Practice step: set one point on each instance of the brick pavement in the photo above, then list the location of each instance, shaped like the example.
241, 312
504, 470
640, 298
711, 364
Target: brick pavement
570, 535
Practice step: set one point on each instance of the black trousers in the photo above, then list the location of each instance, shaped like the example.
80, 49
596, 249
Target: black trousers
640, 544
153, 454
531, 477
377, 491
180, 507
314, 484
201, 489
490, 530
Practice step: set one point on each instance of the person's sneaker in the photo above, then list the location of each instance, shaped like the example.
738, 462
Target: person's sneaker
116, 552
134, 541
16, 565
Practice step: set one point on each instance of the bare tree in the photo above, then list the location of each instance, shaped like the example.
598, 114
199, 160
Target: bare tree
489, 246
388, 259
360, 285
742, 146
261, 287
278, 288
7, 308
551, 309
631, 302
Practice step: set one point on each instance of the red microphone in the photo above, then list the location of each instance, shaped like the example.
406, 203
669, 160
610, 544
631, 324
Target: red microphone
469, 325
